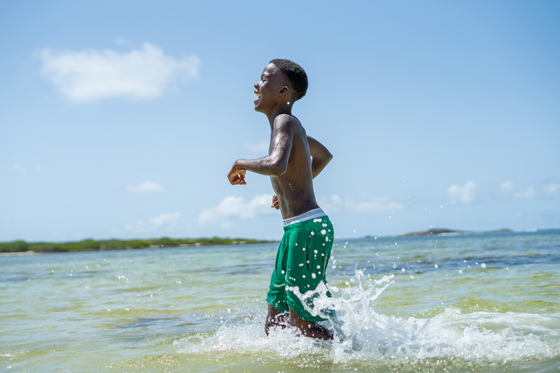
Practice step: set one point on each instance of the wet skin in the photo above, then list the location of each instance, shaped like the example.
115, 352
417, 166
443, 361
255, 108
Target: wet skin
293, 160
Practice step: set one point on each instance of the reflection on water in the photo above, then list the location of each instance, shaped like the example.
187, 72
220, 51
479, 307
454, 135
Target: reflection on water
483, 302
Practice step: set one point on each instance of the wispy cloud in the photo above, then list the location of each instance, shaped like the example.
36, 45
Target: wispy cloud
147, 187
507, 187
236, 207
258, 147
18, 168
552, 189
462, 194
364, 204
92, 75
166, 221
527, 194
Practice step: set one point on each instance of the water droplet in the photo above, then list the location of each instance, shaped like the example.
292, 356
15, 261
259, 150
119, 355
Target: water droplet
436, 266
483, 265
312, 233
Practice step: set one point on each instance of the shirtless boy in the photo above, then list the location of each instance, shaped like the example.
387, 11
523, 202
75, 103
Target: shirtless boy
293, 160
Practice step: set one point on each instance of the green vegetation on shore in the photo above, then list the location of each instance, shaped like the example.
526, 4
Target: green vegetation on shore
113, 244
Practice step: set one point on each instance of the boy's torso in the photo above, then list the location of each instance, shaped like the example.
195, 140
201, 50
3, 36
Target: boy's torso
294, 188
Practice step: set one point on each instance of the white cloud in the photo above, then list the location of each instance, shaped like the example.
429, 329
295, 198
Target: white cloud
91, 75
552, 189
464, 194
167, 221
18, 168
165, 218
528, 194
507, 187
365, 204
259, 147
235, 207
146, 187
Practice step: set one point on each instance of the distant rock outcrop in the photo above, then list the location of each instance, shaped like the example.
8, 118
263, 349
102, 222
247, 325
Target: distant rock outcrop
434, 231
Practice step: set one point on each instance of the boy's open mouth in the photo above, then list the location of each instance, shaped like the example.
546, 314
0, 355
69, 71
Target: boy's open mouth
258, 97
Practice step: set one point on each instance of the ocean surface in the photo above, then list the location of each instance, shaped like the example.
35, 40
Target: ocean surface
487, 302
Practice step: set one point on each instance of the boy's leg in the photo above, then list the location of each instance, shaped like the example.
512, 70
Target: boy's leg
307, 328
275, 318
276, 296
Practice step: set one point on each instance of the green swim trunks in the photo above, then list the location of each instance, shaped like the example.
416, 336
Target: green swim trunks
301, 262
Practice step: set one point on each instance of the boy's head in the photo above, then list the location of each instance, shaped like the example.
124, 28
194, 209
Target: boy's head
295, 74
282, 82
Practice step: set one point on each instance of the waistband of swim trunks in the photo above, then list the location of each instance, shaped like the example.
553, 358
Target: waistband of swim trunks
311, 214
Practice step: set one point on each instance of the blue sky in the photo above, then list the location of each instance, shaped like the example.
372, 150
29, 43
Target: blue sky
122, 119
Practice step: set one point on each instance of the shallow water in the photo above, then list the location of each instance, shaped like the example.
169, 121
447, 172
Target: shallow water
492, 304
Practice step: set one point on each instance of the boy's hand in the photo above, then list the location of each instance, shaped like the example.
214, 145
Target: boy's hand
237, 176
275, 203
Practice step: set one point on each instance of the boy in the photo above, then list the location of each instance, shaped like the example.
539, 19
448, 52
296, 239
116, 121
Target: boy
294, 160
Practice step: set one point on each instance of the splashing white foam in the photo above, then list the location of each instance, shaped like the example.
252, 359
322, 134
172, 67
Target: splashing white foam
361, 334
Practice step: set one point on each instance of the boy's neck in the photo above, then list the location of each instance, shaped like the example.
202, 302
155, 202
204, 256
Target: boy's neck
278, 110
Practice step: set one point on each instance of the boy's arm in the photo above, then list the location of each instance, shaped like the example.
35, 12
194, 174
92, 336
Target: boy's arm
275, 164
321, 155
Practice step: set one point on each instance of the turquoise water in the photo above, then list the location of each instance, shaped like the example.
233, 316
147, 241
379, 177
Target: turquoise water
492, 304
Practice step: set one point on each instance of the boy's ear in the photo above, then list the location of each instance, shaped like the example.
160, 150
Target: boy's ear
284, 90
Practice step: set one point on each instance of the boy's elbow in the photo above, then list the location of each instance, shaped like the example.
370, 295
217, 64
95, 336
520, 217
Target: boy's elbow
278, 168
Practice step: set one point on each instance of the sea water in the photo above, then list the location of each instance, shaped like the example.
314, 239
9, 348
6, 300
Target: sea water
486, 302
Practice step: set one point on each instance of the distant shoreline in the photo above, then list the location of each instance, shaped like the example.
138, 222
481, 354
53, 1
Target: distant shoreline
19, 248
28, 248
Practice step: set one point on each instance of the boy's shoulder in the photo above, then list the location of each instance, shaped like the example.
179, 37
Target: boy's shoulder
287, 122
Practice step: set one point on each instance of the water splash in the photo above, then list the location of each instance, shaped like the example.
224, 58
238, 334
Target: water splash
363, 335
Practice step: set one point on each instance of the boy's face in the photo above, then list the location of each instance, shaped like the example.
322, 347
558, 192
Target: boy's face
272, 88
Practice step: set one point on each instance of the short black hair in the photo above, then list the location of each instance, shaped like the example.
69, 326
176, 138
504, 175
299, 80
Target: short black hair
296, 76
